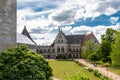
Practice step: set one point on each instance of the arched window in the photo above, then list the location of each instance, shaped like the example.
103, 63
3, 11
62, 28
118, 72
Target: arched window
70, 49
48, 50
44, 50
58, 41
62, 49
41, 51
61, 41
76, 50
58, 49
37, 51
53, 50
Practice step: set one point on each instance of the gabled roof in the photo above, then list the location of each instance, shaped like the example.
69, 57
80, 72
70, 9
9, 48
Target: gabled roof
24, 39
87, 37
75, 39
25, 32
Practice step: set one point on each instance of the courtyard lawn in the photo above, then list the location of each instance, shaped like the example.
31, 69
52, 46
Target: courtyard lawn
63, 69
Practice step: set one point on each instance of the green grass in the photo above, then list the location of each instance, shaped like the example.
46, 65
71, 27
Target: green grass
63, 69
115, 70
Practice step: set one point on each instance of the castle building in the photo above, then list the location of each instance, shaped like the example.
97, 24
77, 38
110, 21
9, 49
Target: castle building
25, 39
68, 46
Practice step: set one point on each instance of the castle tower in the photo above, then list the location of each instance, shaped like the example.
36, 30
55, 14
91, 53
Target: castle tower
7, 24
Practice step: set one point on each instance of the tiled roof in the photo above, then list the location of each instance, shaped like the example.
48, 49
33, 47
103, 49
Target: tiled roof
75, 39
24, 39
87, 37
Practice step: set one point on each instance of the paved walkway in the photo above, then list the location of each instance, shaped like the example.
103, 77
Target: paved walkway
102, 70
56, 79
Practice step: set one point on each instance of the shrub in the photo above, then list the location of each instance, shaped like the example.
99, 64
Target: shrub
90, 70
62, 56
97, 74
21, 64
77, 62
77, 77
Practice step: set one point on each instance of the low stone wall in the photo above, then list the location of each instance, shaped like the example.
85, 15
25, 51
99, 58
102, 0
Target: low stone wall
7, 24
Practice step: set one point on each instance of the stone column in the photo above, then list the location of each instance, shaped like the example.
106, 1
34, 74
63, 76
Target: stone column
7, 24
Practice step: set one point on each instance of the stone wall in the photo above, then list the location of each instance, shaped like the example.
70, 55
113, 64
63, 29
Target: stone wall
7, 24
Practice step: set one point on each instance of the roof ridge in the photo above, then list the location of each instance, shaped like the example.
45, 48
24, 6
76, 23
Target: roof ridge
26, 33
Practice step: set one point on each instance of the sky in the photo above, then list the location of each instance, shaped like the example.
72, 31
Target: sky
43, 18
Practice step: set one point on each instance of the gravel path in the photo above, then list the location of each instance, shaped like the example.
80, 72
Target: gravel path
102, 70
56, 79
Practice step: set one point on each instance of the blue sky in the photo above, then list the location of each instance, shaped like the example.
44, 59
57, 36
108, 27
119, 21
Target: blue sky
44, 17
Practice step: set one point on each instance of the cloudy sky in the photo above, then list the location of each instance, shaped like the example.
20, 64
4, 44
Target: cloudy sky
44, 17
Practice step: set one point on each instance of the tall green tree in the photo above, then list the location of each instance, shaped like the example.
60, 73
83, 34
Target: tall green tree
21, 64
89, 48
105, 48
115, 54
109, 35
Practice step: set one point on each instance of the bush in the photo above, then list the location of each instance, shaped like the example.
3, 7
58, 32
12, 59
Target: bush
21, 64
61, 56
77, 77
97, 74
106, 65
77, 62
103, 78
90, 70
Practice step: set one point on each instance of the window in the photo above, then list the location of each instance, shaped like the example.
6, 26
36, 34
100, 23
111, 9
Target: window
53, 50
41, 51
76, 50
44, 50
70, 49
48, 50
62, 49
61, 41
37, 51
58, 41
58, 49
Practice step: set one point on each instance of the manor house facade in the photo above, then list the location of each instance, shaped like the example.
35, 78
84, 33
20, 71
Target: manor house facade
70, 46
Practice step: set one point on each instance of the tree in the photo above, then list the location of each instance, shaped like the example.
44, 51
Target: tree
105, 48
21, 64
103, 53
109, 35
89, 48
115, 54
93, 57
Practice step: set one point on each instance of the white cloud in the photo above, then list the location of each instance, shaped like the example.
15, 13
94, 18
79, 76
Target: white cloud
81, 29
41, 23
44, 39
113, 20
67, 29
73, 10
97, 30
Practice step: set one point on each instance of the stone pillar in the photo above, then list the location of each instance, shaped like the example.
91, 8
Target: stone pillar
7, 24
